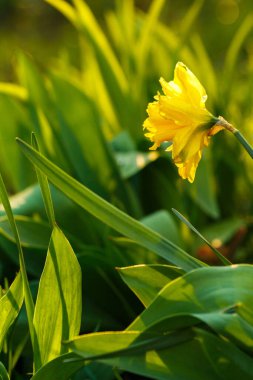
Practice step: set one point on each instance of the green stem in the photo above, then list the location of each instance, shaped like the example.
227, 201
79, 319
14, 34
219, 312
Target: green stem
244, 142
221, 121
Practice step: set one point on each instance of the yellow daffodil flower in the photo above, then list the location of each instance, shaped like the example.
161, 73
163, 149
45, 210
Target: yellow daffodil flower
179, 116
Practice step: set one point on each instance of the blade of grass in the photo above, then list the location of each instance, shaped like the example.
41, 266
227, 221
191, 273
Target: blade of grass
109, 214
65, 8
3, 373
89, 25
46, 194
14, 90
191, 16
125, 343
10, 305
27, 292
143, 45
234, 48
57, 314
222, 258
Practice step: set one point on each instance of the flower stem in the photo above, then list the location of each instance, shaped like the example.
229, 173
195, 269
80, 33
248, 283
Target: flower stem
244, 142
221, 121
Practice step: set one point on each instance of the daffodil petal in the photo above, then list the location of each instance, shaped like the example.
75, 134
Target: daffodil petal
190, 85
179, 116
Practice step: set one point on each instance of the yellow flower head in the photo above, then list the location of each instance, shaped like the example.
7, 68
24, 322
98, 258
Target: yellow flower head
180, 116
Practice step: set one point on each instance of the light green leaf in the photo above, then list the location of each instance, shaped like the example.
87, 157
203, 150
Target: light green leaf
147, 280
10, 305
111, 70
190, 16
3, 372
44, 186
65, 8
27, 292
109, 214
212, 295
29, 202
15, 120
234, 48
98, 40
125, 343
143, 44
104, 179
57, 315
204, 356
14, 90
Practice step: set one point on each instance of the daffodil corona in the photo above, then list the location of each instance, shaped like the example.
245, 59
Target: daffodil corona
179, 116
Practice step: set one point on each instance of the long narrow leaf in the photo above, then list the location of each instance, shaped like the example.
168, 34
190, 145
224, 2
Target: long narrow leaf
3, 373
57, 314
109, 214
10, 305
46, 194
222, 258
27, 292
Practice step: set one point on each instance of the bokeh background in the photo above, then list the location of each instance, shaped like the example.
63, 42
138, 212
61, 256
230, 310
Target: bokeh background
36, 28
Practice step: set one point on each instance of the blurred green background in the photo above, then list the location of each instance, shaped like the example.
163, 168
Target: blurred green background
36, 28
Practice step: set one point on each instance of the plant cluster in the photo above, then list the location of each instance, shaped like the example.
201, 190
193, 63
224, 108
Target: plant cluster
100, 280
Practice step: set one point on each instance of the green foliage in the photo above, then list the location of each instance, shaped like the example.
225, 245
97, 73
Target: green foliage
10, 304
94, 231
3, 373
57, 314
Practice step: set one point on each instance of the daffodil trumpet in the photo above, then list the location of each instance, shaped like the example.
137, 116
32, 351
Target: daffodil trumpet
179, 116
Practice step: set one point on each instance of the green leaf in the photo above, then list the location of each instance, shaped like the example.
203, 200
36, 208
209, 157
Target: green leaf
227, 360
58, 306
202, 190
14, 90
163, 223
3, 373
143, 43
66, 9
65, 366
16, 122
33, 233
190, 16
109, 214
204, 356
222, 258
109, 65
212, 295
10, 305
111, 344
234, 48
33, 82
71, 217
27, 292
60, 368
104, 179
98, 40
131, 163
147, 280
44, 186
222, 232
